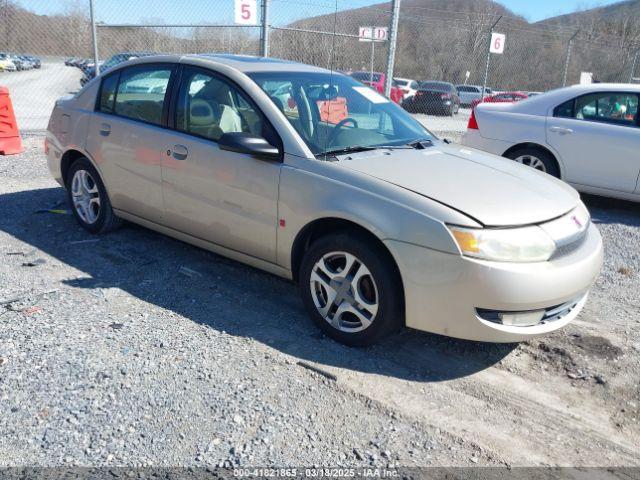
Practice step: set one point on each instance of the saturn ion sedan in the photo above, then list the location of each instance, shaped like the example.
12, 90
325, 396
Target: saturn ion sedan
310, 175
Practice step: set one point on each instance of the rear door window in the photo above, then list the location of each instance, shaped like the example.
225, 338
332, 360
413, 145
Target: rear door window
616, 108
142, 91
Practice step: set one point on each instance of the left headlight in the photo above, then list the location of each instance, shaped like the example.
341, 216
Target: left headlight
526, 244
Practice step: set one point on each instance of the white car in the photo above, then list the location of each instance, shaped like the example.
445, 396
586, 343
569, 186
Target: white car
587, 135
407, 85
469, 93
6, 64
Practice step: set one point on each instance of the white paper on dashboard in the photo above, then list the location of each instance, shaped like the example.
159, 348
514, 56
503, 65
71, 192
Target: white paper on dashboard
371, 95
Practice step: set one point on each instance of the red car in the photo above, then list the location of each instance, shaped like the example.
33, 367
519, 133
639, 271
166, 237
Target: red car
378, 84
503, 97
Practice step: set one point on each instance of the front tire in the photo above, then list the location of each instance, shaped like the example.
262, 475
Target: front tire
535, 158
352, 289
88, 198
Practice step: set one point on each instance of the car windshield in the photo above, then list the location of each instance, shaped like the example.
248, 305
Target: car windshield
333, 112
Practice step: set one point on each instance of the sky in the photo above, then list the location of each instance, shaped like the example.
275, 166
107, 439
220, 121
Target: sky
534, 10
283, 11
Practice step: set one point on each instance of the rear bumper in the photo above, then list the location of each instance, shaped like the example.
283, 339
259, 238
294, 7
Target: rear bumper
473, 139
443, 292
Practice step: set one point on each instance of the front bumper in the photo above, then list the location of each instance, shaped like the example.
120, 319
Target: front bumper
443, 292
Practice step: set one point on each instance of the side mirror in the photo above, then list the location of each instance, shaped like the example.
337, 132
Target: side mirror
249, 144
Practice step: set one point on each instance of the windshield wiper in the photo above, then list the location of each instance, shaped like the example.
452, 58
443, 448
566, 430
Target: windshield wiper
363, 148
344, 150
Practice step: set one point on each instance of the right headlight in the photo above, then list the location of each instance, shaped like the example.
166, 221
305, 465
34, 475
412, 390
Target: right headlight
526, 244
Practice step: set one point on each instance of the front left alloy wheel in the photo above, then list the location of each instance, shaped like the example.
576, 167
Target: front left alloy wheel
351, 289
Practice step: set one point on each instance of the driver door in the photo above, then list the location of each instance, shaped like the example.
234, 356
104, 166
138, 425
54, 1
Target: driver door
220, 196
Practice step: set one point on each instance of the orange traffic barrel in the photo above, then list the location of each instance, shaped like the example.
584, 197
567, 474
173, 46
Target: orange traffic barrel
10, 141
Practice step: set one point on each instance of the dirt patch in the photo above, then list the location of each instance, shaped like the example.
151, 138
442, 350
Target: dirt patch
598, 347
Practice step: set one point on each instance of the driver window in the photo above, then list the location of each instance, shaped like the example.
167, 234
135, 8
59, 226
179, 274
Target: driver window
209, 107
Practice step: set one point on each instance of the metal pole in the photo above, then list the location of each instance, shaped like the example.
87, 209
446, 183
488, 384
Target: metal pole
265, 28
486, 70
393, 38
633, 67
568, 59
94, 37
373, 53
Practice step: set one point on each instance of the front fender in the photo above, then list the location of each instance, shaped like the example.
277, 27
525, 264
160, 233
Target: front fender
307, 196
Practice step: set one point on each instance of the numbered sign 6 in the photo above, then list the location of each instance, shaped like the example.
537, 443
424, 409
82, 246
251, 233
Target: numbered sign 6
246, 12
497, 42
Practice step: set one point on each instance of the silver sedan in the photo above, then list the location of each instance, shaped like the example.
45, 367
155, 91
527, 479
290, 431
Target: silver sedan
310, 175
588, 135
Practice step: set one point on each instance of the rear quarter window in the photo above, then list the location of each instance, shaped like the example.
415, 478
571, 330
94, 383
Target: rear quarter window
564, 110
108, 93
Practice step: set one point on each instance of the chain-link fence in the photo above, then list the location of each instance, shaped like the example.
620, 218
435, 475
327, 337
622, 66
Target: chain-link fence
449, 45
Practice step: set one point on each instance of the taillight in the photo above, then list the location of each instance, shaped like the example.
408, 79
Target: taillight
473, 124
445, 96
46, 146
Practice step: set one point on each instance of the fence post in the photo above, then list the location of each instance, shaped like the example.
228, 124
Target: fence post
486, 70
265, 29
633, 67
373, 52
393, 38
568, 59
94, 37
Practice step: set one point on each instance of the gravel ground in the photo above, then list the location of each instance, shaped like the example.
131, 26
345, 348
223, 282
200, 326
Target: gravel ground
111, 353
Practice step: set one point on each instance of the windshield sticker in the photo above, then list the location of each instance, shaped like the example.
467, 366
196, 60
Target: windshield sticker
371, 95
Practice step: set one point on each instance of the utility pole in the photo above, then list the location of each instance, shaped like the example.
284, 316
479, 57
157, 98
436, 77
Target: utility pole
568, 59
486, 70
393, 38
94, 37
265, 29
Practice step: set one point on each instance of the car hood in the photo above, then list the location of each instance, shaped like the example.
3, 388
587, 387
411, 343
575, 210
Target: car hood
492, 190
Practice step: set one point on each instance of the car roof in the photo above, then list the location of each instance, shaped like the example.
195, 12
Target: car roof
540, 104
250, 63
242, 63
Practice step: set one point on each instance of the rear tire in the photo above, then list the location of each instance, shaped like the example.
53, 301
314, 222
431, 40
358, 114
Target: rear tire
88, 198
536, 158
352, 289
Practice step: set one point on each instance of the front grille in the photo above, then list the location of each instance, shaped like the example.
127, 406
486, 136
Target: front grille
568, 248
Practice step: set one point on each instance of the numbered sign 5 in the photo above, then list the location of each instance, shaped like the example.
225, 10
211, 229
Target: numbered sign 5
246, 12
497, 42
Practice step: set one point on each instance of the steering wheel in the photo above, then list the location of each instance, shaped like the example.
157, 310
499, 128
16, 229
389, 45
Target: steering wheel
336, 129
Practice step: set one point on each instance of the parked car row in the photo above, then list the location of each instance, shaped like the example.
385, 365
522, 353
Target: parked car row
89, 68
10, 62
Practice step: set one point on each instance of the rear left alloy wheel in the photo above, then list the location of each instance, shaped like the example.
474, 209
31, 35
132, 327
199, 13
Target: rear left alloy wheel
88, 198
351, 289
537, 159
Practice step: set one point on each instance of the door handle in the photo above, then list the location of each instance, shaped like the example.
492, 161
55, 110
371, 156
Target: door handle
105, 129
561, 130
179, 152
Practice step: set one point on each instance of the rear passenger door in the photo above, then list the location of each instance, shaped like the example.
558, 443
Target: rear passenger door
223, 197
598, 139
125, 133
